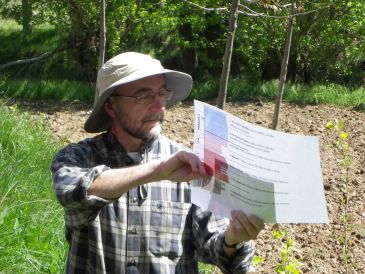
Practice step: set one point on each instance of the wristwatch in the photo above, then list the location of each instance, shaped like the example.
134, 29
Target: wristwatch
236, 245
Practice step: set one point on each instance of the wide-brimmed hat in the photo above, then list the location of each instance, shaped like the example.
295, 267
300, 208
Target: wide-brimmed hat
128, 67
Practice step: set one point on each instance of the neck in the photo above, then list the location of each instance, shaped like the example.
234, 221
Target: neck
128, 142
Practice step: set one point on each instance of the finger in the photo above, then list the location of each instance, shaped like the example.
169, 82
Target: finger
256, 222
239, 227
196, 165
202, 168
234, 213
250, 228
186, 158
253, 219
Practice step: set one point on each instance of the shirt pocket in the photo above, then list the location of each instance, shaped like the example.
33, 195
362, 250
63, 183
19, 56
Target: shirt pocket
170, 231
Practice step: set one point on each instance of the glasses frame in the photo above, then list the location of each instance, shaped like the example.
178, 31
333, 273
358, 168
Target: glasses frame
149, 97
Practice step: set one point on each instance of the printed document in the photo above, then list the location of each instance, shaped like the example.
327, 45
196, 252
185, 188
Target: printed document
274, 175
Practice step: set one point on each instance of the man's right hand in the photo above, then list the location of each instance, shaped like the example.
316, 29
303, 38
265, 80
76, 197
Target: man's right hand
182, 166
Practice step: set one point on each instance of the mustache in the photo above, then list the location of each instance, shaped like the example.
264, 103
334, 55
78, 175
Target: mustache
154, 117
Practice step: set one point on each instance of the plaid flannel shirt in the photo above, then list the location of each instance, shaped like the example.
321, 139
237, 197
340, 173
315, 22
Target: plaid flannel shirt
153, 228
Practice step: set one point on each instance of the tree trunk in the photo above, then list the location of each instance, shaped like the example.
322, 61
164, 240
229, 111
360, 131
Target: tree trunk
284, 68
102, 42
27, 17
188, 54
228, 54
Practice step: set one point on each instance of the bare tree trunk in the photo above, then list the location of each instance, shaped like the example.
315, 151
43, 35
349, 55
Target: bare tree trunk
27, 16
102, 42
284, 67
228, 54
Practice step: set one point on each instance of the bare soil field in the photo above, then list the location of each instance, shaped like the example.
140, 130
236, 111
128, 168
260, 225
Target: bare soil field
318, 246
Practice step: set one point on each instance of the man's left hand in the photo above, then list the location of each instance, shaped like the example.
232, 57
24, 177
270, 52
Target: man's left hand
242, 227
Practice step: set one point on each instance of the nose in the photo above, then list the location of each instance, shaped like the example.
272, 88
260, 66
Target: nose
158, 104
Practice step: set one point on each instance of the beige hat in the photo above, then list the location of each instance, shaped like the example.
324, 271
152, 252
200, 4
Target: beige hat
128, 67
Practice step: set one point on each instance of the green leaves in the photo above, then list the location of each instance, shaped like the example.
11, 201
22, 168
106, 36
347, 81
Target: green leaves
330, 125
287, 264
257, 260
279, 234
343, 135
342, 149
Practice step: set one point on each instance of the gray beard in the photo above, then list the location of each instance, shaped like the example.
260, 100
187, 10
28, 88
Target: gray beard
140, 134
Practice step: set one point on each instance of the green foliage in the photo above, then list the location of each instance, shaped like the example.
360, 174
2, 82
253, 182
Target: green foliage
206, 268
287, 263
44, 38
328, 44
342, 149
52, 89
9, 26
27, 204
316, 93
257, 260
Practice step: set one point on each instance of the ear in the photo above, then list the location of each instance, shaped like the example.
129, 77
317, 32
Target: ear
109, 108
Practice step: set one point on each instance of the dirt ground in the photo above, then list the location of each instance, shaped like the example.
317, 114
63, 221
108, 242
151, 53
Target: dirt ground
318, 247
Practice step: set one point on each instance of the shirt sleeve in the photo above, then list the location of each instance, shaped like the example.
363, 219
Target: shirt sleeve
71, 179
209, 236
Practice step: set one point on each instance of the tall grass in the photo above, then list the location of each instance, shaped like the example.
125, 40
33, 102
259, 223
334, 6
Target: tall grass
31, 221
51, 89
316, 93
238, 90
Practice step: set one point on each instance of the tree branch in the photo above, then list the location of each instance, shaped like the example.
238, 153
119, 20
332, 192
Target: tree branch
32, 60
204, 8
253, 13
256, 14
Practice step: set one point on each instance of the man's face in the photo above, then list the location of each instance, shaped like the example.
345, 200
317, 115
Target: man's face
140, 115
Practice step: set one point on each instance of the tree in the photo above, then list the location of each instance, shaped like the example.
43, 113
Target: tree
228, 54
27, 17
326, 45
284, 67
102, 42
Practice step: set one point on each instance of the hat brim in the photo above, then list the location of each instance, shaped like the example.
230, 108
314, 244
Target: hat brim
181, 84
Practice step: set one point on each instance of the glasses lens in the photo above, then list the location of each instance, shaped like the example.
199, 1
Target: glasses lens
168, 94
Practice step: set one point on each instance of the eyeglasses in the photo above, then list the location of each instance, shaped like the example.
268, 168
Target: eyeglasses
148, 98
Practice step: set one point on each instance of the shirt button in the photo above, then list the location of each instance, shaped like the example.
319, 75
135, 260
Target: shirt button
134, 200
133, 230
132, 262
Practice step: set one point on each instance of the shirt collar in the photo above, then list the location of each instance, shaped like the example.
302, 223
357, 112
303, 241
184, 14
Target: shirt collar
144, 150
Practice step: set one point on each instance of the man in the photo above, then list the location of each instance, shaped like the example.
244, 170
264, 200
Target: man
125, 192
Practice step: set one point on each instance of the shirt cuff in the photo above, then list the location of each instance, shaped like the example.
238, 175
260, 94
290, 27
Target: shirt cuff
94, 198
241, 261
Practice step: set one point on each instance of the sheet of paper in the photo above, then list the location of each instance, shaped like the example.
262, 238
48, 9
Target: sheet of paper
271, 174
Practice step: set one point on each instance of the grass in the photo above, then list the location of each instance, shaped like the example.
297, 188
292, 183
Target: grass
316, 93
43, 38
31, 221
238, 91
8, 25
51, 89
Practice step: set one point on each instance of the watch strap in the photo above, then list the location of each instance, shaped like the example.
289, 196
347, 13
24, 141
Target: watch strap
230, 246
